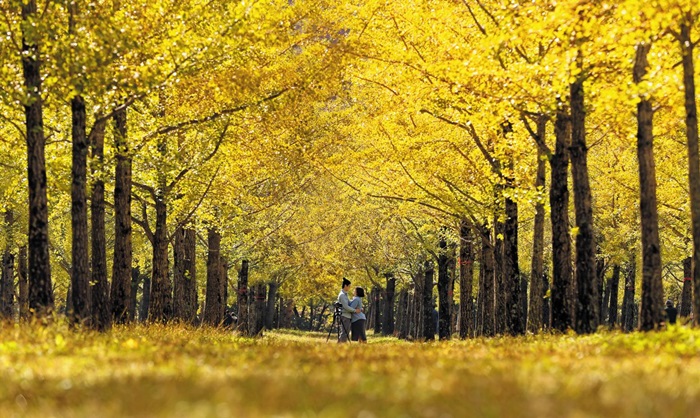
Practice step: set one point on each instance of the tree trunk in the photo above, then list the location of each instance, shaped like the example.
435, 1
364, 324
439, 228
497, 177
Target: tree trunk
652, 289
428, 305
628, 306
562, 280
501, 313
271, 297
466, 278
536, 289
586, 319
403, 314
691, 123
135, 281
388, 326
488, 263
600, 283
8, 265
41, 299
613, 285
121, 268
185, 269
161, 287
511, 270
243, 299
223, 275
145, 298
80, 272
445, 303
687, 293
100, 307
376, 310
214, 297
257, 320
546, 305
23, 284
179, 277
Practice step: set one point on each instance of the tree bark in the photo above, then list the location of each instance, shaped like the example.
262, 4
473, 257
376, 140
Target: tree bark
41, 301
466, 278
100, 306
271, 297
80, 272
8, 265
586, 319
23, 284
488, 263
687, 293
403, 315
445, 302
179, 276
243, 299
562, 280
145, 298
501, 313
613, 284
388, 326
546, 305
428, 306
376, 311
652, 288
136, 279
691, 123
628, 306
511, 270
161, 287
214, 297
121, 268
536, 289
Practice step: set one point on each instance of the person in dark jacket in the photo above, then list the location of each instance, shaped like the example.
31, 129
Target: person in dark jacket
671, 312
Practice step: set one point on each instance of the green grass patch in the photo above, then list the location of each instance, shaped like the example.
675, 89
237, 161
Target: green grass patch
177, 371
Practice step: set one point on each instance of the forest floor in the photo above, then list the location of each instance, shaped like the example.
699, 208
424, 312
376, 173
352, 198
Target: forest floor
177, 371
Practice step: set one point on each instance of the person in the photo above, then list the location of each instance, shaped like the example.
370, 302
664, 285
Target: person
671, 312
345, 311
358, 319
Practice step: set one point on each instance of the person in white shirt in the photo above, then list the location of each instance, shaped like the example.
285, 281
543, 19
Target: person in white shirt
346, 312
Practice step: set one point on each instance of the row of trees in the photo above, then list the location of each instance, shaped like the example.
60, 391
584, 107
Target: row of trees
320, 140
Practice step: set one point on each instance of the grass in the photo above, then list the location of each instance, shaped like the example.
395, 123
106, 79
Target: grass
177, 371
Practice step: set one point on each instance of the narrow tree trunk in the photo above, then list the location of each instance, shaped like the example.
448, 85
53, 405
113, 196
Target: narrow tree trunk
223, 275
214, 296
466, 278
605, 306
145, 298
8, 265
403, 316
121, 268
691, 123
41, 301
511, 270
629, 314
445, 303
243, 299
135, 281
257, 317
546, 305
179, 277
586, 281
652, 288
600, 283
161, 287
562, 280
23, 284
271, 297
428, 306
488, 263
500, 312
536, 289
376, 310
100, 306
687, 293
190, 312
388, 326
613, 285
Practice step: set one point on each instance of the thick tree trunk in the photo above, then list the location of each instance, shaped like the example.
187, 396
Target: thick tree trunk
687, 293
99, 304
161, 287
488, 263
179, 277
691, 124
628, 306
586, 319
388, 326
214, 297
536, 288
428, 305
562, 280
271, 297
243, 298
445, 302
613, 285
466, 278
121, 268
41, 301
403, 314
80, 273
652, 289
257, 317
23, 284
511, 271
